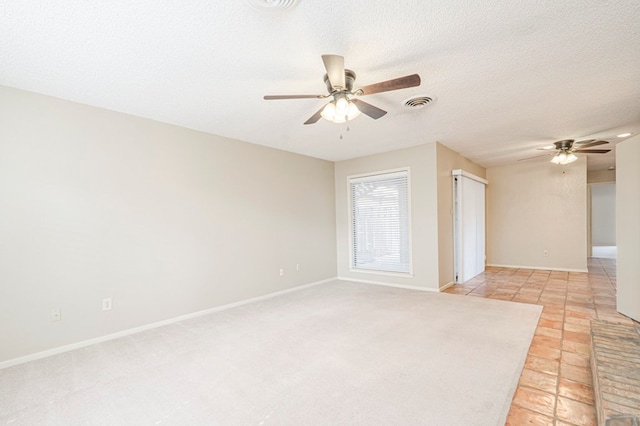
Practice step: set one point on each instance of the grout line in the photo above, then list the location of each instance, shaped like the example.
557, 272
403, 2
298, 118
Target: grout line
564, 318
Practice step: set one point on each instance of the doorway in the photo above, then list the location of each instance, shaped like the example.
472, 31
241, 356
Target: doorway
603, 220
469, 225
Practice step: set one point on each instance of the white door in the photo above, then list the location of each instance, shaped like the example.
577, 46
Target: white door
628, 227
469, 225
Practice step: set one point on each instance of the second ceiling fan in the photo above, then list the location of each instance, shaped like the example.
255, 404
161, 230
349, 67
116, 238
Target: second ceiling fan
344, 105
563, 151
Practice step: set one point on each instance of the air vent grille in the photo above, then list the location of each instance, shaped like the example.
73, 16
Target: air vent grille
418, 102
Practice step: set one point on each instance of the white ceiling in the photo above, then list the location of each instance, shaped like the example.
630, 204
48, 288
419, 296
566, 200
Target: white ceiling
508, 76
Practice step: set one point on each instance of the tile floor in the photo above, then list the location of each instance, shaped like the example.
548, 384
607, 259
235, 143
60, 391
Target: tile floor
555, 386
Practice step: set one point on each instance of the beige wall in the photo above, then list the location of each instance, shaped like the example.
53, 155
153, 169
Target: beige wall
448, 160
601, 176
166, 221
424, 222
628, 227
535, 206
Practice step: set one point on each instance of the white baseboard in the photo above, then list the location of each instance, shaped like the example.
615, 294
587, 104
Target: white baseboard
73, 346
410, 287
446, 286
542, 268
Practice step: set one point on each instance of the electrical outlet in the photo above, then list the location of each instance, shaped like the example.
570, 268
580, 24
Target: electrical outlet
282, 272
56, 314
297, 267
106, 304
546, 252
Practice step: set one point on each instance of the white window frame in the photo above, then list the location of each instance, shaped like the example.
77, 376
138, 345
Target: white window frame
352, 267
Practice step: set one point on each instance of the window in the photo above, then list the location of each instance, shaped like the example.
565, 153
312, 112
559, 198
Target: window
380, 222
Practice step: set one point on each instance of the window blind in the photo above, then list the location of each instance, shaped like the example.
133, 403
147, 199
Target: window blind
380, 222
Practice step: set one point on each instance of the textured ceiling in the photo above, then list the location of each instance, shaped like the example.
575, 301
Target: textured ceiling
507, 76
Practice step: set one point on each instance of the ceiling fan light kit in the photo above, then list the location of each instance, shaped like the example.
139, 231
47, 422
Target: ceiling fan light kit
340, 110
566, 148
344, 106
564, 158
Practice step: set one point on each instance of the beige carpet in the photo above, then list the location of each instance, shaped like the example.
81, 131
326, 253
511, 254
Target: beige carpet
335, 354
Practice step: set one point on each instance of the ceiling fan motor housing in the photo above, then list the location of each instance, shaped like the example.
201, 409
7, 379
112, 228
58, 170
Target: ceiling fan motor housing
349, 79
564, 145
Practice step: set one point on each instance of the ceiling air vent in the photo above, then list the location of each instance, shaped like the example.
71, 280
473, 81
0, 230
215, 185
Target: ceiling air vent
418, 102
272, 4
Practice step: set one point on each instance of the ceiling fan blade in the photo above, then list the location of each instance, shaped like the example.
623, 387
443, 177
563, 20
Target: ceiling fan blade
592, 151
584, 142
334, 64
315, 117
590, 144
412, 80
536, 156
274, 97
368, 109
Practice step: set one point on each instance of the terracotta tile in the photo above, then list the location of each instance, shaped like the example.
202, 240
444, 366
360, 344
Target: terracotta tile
519, 416
550, 297
572, 313
577, 328
501, 297
572, 358
579, 299
577, 337
579, 321
574, 305
576, 391
576, 347
552, 317
550, 324
502, 291
550, 342
555, 291
603, 300
577, 374
551, 303
579, 288
549, 332
457, 290
525, 299
552, 310
545, 352
535, 400
537, 380
542, 365
576, 413
482, 289
579, 311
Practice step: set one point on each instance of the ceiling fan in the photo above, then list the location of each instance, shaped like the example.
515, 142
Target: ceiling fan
565, 150
344, 106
